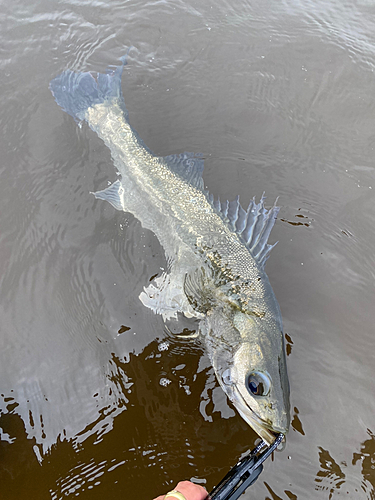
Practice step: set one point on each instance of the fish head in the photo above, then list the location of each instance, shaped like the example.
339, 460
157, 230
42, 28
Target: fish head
248, 356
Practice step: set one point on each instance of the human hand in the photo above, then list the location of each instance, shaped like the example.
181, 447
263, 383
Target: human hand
189, 490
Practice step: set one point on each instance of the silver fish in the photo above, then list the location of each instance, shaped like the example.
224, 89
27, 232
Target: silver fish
216, 252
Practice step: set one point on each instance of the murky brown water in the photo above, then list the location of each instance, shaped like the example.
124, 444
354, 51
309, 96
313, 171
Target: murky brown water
98, 400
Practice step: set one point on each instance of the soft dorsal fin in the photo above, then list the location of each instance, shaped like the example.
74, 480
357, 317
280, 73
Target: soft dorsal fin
189, 166
254, 225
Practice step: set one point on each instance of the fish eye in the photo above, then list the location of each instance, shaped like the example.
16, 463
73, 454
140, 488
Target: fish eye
258, 383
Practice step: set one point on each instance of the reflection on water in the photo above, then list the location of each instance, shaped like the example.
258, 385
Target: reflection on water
366, 455
336, 479
149, 436
296, 422
331, 473
333, 476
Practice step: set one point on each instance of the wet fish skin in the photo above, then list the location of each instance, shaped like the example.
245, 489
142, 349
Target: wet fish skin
216, 252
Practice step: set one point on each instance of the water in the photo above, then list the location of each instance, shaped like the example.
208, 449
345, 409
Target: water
98, 398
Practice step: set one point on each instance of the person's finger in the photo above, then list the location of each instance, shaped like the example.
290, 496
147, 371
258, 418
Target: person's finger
191, 491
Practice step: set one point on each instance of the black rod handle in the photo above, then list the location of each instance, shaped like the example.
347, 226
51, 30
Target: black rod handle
244, 473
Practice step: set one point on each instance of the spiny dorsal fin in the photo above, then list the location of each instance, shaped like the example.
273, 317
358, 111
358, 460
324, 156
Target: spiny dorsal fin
254, 225
189, 166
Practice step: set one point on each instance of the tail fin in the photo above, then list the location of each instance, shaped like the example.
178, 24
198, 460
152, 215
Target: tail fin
76, 92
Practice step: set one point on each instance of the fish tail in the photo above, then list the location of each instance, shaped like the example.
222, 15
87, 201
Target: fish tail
76, 92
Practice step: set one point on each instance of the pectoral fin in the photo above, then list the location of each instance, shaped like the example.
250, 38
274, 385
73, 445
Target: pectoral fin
114, 194
166, 296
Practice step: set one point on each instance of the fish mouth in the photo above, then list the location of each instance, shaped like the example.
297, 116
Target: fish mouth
264, 430
267, 433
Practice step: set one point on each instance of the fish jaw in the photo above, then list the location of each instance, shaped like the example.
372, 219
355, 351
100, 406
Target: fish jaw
264, 357
268, 431
240, 346
259, 427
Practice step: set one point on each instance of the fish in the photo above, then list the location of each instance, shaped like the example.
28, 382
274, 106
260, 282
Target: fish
216, 252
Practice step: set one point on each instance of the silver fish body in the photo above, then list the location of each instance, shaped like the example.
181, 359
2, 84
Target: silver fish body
216, 253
